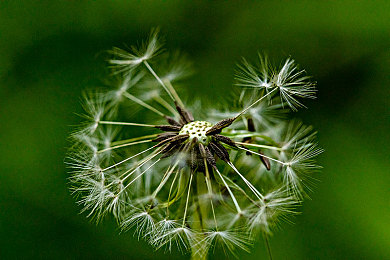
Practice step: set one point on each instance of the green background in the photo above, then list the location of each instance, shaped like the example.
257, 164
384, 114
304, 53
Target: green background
49, 53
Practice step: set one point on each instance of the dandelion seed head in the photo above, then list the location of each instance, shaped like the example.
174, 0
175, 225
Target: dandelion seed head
197, 130
182, 181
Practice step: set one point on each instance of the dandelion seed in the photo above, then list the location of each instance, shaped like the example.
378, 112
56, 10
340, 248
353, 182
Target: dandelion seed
274, 208
188, 182
124, 61
289, 81
228, 240
141, 220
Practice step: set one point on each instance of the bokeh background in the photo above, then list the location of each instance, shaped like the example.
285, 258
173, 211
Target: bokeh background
49, 53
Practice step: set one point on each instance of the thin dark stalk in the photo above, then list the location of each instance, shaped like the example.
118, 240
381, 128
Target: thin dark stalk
266, 241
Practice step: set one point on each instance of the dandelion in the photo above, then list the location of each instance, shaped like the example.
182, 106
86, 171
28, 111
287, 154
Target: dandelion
194, 183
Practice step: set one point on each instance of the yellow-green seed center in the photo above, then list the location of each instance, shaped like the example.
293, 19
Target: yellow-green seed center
197, 129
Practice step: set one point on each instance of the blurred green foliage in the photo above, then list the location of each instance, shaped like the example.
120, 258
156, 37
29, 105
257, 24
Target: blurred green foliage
49, 53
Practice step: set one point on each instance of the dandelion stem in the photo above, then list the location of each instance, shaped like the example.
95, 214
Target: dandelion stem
197, 256
142, 173
251, 187
188, 197
134, 139
165, 179
201, 207
230, 192
140, 102
145, 160
267, 244
241, 190
124, 123
170, 191
174, 93
158, 79
210, 191
254, 103
125, 160
199, 250
123, 145
166, 105
261, 146
282, 163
